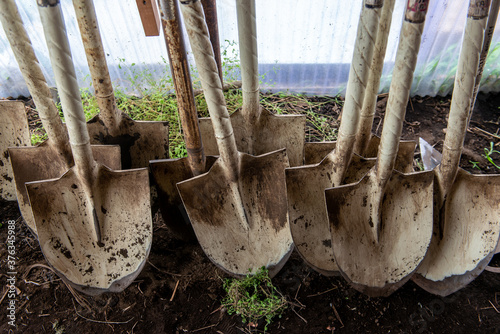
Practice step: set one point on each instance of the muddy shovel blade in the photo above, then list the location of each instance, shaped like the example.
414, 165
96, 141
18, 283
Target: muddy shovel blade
65, 222
14, 131
470, 227
271, 133
239, 244
140, 141
377, 262
317, 151
306, 209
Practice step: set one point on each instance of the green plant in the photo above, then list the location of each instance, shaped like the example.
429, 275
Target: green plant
488, 152
254, 298
475, 164
419, 164
38, 137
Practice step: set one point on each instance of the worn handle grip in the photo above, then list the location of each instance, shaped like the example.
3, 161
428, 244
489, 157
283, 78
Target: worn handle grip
370, 100
67, 85
399, 92
34, 78
96, 59
468, 63
212, 86
356, 86
179, 66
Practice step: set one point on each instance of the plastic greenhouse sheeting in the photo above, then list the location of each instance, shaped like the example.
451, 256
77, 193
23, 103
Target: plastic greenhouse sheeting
304, 46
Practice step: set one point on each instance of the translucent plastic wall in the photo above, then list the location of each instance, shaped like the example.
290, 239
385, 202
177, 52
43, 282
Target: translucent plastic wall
305, 46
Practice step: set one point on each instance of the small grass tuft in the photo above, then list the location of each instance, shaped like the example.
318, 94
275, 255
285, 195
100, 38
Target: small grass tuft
254, 298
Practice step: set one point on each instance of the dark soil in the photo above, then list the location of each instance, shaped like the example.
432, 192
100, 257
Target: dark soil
180, 290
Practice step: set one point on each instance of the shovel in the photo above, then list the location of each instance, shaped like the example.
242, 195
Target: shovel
52, 158
367, 143
381, 226
140, 141
14, 131
257, 131
467, 215
238, 208
167, 173
94, 224
305, 185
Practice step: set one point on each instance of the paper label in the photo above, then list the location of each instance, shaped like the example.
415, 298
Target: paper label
478, 9
416, 10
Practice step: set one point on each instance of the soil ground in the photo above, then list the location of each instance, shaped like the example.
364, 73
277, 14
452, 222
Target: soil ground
180, 290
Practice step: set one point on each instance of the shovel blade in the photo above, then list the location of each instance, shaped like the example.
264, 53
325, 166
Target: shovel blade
14, 131
465, 234
166, 174
234, 243
317, 151
271, 133
44, 162
309, 223
140, 141
64, 221
377, 266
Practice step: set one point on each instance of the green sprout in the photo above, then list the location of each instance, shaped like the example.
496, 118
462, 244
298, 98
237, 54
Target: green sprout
487, 154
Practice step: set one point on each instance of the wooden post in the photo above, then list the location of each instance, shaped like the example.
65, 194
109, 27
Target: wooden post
148, 10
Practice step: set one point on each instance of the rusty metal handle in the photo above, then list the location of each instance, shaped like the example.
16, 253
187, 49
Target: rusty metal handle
210, 10
247, 35
468, 64
399, 92
356, 86
370, 101
212, 86
183, 86
96, 59
34, 78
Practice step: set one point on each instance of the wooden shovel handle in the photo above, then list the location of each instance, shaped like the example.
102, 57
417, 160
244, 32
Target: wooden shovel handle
370, 101
399, 92
212, 87
463, 89
96, 59
34, 78
356, 86
210, 10
67, 85
247, 36
179, 66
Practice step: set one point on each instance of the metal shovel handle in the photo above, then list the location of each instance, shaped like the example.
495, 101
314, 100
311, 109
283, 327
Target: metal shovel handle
33, 76
463, 90
179, 66
372, 87
212, 86
96, 59
247, 36
67, 84
356, 86
399, 92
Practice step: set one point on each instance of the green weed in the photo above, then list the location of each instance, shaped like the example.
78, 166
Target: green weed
254, 298
475, 164
488, 152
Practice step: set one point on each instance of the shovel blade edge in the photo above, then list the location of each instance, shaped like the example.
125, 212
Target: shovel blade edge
64, 221
234, 243
377, 259
470, 226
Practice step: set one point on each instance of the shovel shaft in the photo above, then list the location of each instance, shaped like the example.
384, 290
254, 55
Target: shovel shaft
212, 86
399, 92
67, 84
34, 78
96, 59
377, 64
488, 36
356, 86
183, 86
247, 35
463, 89
210, 10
